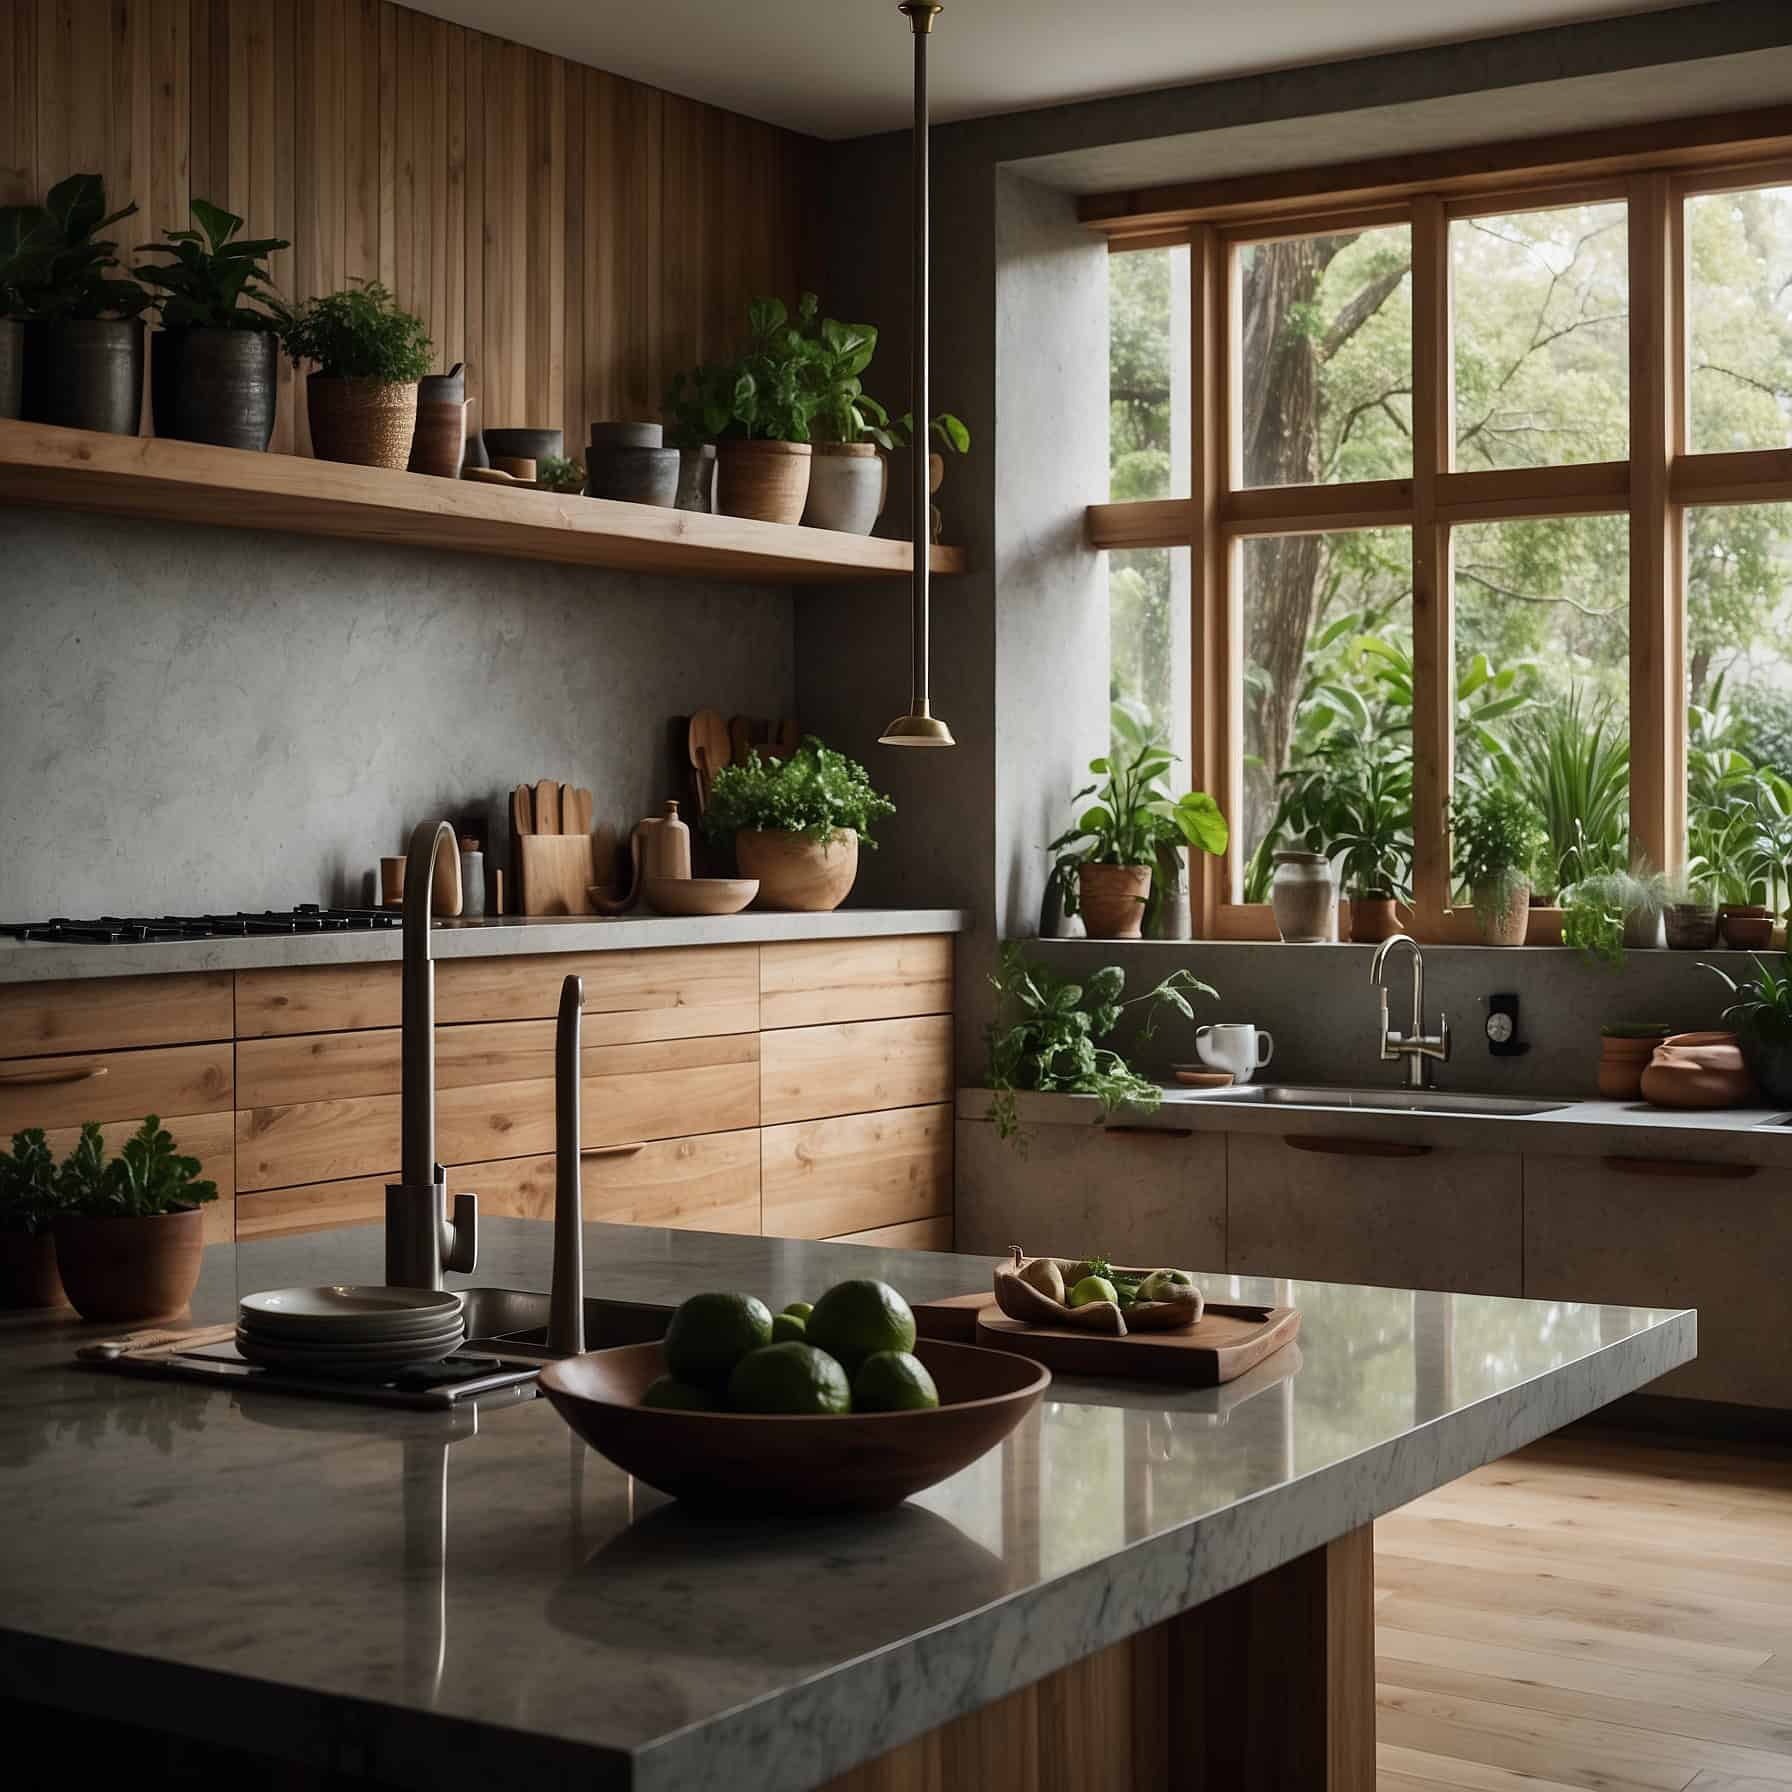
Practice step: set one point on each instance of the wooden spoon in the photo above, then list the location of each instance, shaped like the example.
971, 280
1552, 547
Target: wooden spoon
575, 810
547, 807
710, 732
522, 811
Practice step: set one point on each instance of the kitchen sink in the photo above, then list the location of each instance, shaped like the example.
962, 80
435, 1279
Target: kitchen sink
515, 1321
1385, 1101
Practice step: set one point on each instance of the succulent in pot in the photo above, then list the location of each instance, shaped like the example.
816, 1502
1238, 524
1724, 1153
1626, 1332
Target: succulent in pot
29, 1200
214, 365
370, 356
797, 823
1496, 838
130, 1234
1762, 1017
82, 341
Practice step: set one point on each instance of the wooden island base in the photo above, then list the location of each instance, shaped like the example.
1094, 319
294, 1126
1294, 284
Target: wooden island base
1270, 1688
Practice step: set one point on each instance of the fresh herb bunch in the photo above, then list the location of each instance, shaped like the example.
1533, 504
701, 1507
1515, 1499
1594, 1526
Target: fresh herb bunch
945, 429
558, 473
216, 280
770, 392
1593, 921
28, 1192
148, 1176
1762, 1011
1496, 837
360, 334
815, 792
54, 265
847, 412
1047, 1028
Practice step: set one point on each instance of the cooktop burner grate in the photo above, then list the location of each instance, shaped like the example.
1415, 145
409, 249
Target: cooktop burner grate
125, 930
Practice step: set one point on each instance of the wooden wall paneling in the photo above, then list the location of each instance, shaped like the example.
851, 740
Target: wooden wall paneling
684, 243
503, 395
543, 272
473, 228
575, 409
638, 198
19, 160
599, 226
361, 169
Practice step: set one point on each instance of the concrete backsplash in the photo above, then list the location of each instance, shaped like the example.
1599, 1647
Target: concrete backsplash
196, 718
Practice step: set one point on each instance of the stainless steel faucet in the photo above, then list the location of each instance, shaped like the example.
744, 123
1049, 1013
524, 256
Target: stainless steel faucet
1418, 1049
421, 1240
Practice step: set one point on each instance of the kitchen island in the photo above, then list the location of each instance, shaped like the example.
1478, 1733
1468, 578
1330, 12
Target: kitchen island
1137, 1575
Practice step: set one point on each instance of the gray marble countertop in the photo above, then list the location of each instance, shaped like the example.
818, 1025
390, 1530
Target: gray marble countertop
32, 961
1578, 1128
439, 1602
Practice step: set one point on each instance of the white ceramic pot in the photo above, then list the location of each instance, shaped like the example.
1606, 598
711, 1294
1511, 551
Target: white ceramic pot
1304, 897
846, 487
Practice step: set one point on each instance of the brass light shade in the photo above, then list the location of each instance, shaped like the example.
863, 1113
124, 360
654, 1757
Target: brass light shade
919, 727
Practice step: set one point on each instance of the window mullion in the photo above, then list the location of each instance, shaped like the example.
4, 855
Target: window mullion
1210, 743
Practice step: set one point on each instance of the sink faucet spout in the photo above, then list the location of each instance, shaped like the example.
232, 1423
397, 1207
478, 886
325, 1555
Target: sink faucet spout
1419, 1049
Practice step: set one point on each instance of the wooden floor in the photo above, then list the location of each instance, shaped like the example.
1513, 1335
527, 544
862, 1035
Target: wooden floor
1602, 1612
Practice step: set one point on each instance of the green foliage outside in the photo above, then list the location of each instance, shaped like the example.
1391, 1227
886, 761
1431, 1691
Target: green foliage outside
816, 792
360, 333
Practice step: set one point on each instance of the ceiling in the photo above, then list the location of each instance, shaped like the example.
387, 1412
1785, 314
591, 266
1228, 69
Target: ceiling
840, 68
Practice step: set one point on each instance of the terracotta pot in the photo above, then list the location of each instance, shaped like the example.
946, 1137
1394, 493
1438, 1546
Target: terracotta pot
1746, 927
767, 481
1621, 1066
1112, 899
795, 872
1507, 923
1691, 926
28, 1275
846, 487
1698, 1070
119, 1269
217, 386
1544, 927
366, 423
1303, 896
1372, 919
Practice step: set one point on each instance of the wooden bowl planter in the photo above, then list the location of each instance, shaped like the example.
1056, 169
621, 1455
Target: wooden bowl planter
846, 487
365, 423
28, 1275
128, 1269
217, 386
795, 872
767, 481
1112, 899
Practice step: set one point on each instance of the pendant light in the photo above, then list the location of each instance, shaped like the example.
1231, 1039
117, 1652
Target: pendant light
919, 727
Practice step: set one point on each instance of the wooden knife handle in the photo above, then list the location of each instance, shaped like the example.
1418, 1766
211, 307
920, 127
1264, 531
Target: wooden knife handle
1327, 1146
41, 1079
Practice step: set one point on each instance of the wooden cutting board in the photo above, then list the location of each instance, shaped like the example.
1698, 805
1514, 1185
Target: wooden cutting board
557, 874
1229, 1340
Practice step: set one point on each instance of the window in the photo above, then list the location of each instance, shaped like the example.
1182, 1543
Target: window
1446, 510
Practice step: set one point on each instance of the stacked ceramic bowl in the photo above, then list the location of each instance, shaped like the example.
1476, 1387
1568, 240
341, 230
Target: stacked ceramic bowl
348, 1333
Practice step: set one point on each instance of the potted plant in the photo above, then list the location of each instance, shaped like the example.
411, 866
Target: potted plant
1762, 1017
1496, 838
370, 356
130, 1235
21, 249
1604, 916
797, 823
557, 473
757, 409
848, 477
1046, 1032
83, 340
28, 1203
214, 365
1353, 805
1689, 912
1625, 1048
949, 432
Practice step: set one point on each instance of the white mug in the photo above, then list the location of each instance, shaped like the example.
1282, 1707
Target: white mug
1236, 1046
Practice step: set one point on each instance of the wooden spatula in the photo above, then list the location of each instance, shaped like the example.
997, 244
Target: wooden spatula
547, 807
740, 739
522, 811
575, 810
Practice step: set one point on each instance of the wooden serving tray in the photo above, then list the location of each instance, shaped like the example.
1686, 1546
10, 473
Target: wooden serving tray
1229, 1340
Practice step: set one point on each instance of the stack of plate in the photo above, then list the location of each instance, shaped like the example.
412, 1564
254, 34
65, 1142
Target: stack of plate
360, 1334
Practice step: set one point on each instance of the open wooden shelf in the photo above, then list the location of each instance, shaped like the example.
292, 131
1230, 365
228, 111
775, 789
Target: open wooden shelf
183, 482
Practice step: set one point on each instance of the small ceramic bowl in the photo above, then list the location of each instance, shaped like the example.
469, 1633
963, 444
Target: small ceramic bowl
698, 895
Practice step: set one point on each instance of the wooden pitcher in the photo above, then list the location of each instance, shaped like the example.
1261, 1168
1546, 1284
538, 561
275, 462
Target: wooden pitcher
660, 846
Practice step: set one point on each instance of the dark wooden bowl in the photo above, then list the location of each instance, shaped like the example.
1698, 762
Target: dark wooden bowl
773, 1462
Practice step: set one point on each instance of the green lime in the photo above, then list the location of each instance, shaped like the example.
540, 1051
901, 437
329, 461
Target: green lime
792, 1377
893, 1381
854, 1320
678, 1396
1091, 1289
788, 1328
710, 1333
800, 1309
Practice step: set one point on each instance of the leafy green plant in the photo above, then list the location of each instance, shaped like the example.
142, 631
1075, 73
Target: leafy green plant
1599, 912
1496, 838
53, 263
216, 280
815, 792
1047, 1031
770, 392
29, 1198
1354, 805
558, 473
948, 431
360, 333
148, 1177
1571, 761
847, 412
1763, 1006
81, 1178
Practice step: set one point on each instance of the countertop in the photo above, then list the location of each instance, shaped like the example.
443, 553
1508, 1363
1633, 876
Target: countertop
1576, 1128
435, 1603
33, 961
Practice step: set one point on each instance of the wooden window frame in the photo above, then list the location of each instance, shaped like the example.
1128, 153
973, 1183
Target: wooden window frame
1654, 486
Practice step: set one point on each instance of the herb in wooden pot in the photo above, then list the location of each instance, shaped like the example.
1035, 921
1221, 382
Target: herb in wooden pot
369, 354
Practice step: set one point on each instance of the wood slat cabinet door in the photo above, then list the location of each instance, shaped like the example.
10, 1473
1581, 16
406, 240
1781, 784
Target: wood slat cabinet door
856, 1173
105, 1014
1308, 1208
112, 1085
1133, 1194
209, 1137
809, 983
810, 1073
317, 999
1662, 1232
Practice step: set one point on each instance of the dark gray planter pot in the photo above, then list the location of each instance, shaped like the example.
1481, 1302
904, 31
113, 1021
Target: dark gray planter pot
217, 386
12, 367
93, 374
627, 462
1770, 1064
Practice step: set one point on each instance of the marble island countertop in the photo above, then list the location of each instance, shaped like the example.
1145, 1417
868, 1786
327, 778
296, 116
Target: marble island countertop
33, 961
482, 1601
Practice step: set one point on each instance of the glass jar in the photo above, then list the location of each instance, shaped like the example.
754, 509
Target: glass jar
1304, 897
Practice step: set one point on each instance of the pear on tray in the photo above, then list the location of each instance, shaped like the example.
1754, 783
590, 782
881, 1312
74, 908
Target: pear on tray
1092, 1295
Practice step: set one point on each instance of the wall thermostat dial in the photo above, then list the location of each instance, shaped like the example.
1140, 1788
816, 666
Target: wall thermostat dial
1500, 1028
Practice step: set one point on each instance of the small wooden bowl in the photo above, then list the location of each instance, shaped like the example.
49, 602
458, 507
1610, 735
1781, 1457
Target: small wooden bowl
1201, 1079
775, 1462
698, 895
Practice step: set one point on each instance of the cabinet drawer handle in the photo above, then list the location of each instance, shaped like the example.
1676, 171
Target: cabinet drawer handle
1685, 1169
43, 1079
613, 1150
1149, 1132
1328, 1146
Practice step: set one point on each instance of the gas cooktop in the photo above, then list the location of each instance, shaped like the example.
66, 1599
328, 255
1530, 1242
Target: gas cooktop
121, 930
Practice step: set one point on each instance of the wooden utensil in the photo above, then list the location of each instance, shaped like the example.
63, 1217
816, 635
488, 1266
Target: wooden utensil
522, 811
556, 874
547, 807
710, 751
785, 739
575, 810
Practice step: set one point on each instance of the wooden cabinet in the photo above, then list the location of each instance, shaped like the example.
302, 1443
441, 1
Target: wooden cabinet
827, 1178
1323, 1210
810, 1073
176, 1079
1666, 1232
113, 1013
810, 983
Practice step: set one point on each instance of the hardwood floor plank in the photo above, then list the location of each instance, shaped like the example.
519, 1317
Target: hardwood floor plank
1410, 1770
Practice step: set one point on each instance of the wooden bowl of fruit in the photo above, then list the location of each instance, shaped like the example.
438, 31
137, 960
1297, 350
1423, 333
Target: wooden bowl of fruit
831, 1408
